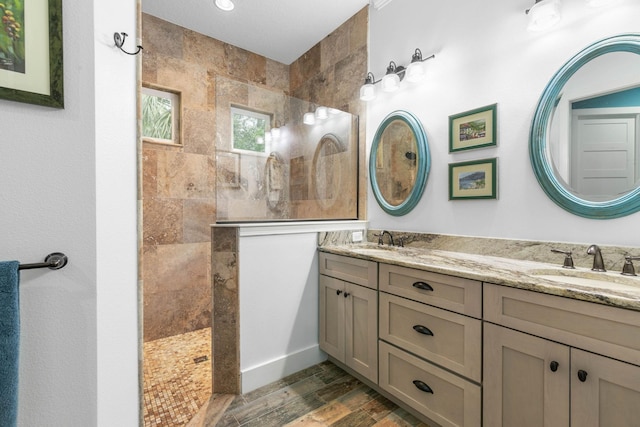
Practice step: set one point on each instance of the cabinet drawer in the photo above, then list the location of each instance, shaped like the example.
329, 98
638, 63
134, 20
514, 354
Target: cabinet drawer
602, 329
448, 292
453, 400
354, 270
455, 343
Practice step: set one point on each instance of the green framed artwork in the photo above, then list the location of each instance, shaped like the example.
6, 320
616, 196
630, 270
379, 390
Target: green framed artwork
31, 64
473, 129
476, 179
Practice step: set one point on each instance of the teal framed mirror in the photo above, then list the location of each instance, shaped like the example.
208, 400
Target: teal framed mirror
399, 163
584, 143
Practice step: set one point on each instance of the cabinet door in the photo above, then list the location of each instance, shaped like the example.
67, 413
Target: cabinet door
522, 385
361, 353
609, 395
332, 330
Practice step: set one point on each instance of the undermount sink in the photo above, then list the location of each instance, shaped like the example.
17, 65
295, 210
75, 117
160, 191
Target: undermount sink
587, 278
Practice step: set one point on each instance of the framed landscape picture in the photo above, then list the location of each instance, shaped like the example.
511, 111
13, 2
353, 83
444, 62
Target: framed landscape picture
473, 129
31, 64
473, 180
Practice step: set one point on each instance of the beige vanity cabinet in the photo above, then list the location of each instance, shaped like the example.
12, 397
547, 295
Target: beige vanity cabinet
553, 361
430, 345
349, 312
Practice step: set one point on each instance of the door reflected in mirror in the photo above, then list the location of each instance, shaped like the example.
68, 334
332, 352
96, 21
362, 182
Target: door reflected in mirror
594, 137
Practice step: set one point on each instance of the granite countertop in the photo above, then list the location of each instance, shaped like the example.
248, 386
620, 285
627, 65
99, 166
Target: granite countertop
608, 288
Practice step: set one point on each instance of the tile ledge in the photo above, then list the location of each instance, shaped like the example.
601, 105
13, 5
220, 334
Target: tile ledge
298, 227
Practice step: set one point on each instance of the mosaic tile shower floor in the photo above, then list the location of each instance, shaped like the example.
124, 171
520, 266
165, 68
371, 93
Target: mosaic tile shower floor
177, 381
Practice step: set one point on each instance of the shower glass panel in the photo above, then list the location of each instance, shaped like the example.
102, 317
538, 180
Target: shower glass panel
270, 166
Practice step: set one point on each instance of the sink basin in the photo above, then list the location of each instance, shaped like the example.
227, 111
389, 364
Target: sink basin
608, 280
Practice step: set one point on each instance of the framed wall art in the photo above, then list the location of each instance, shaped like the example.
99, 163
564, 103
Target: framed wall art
475, 179
473, 129
31, 64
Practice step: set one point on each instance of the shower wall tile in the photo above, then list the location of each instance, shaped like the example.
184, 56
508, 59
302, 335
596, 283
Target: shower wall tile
176, 266
185, 176
305, 67
193, 89
277, 75
335, 47
150, 67
236, 62
149, 172
198, 131
359, 31
204, 51
256, 68
162, 221
345, 91
199, 214
161, 37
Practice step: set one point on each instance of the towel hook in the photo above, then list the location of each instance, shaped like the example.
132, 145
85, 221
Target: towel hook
118, 38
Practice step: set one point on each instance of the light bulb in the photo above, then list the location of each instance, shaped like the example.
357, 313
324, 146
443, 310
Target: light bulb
367, 92
309, 118
416, 72
226, 5
390, 82
275, 133
544, 15
321, 113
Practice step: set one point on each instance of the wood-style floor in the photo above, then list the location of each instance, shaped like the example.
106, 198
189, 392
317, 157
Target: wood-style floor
323, 395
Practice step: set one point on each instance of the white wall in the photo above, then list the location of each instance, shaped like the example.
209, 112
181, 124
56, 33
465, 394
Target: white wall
68, 183
279, 299
484, 55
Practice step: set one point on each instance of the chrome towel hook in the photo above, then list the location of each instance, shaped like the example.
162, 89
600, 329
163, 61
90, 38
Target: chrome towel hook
119, 38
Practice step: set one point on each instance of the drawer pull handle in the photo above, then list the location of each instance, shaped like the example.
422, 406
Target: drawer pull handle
422, 329
554, 366
423, 286
582, 375
338, 292
422, 386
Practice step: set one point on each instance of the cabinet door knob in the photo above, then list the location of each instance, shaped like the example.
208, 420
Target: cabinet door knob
423, 286
582, 375
422, 386
554, 366
422, 330
338, 292
346, 294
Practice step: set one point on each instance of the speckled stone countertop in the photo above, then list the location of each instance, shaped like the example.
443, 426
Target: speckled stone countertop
609, 288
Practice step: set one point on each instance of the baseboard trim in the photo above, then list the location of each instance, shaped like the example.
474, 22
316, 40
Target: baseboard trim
258, 376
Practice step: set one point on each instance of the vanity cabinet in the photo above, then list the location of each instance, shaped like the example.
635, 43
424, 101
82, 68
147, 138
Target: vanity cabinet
349, 312
553, 361
430, 346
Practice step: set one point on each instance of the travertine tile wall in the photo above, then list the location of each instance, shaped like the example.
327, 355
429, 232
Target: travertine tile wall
179, 182
178, 189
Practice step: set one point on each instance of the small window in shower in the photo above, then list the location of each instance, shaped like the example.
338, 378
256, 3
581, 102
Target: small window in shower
160, 116
250, 130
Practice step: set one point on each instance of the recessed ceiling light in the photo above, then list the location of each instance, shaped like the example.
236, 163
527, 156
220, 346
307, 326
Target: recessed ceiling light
226, 5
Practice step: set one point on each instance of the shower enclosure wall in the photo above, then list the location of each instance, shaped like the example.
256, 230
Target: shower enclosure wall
273, 167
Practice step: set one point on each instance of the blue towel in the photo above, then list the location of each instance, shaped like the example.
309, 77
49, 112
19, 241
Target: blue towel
9, 342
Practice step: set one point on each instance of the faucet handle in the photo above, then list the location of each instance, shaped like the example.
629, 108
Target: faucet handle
628, 268
379, 236
401, 240
568, 259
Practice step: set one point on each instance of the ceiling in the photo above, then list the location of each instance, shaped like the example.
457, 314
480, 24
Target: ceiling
281, 30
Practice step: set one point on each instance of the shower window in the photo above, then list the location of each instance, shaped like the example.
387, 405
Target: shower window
273, 167
160, 116
251, 129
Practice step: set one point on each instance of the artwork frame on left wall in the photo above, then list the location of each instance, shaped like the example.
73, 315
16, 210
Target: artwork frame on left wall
32, 73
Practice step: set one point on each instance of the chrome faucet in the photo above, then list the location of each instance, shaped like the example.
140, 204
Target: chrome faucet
598, 262
381, 238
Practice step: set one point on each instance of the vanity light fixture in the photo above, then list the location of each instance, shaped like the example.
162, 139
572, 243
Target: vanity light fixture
395, 74
226, 5
543, 15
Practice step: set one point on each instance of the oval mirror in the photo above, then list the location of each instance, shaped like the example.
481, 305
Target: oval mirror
399, 163
585, 135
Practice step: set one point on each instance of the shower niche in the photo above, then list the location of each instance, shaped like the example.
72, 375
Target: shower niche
280, 158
